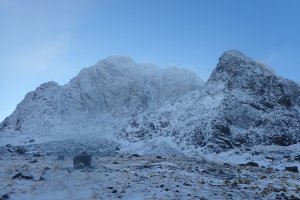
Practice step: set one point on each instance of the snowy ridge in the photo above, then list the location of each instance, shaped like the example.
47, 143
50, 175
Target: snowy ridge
99, 96
242, 104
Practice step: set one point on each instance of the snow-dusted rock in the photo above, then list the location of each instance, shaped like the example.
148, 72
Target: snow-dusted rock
242, 104
116, 87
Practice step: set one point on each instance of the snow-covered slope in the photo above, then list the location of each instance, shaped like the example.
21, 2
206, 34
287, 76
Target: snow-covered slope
242, 104
99, 96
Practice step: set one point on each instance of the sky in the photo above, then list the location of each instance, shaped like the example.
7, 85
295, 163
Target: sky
52, 40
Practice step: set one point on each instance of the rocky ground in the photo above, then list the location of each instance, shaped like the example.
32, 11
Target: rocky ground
46, 171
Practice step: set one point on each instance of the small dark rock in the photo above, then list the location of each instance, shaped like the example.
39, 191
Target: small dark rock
162, 186
115, 191
32, 140
27, 177
167, 189
293, 197
61, 157
21, 176
292, 169
135, 155
270, 158
18, 175
115, 163
4, 197
81, 161
205, 171
146, 166
33, 161
110, 188
285, 101
158, 157
283, 140
37, 155
186, 184
42, 178
297, 158
252, 164
21, 150
8, 145
227, 165
256, 153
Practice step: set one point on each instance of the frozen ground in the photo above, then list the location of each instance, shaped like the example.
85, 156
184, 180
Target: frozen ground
163, 173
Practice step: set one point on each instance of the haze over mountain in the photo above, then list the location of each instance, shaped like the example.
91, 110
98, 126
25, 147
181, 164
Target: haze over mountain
111, 90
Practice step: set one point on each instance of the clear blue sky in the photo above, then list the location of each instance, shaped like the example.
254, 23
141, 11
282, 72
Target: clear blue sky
42, 40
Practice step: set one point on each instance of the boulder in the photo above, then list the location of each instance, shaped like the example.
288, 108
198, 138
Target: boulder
292, 169
82, 161
4, 197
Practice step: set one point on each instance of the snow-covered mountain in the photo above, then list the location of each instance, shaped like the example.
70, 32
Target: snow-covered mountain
121, 130
114, 88
242, 104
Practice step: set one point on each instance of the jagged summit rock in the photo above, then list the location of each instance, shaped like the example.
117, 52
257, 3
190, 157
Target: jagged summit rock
234, 54
235, 65
115, 86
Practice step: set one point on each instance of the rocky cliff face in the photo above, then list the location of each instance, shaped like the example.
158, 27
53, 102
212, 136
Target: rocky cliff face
117, 86
242, 104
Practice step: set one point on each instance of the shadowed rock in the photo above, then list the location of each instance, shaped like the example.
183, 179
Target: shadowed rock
292, 169
81, 161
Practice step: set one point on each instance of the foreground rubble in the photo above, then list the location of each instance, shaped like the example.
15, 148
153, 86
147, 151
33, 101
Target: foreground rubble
113, 174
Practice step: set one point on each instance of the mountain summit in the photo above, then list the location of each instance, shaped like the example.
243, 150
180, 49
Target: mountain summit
234, 65
115, 87
242, 104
